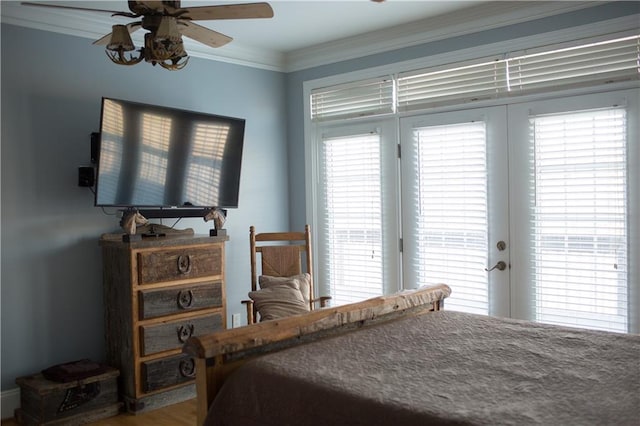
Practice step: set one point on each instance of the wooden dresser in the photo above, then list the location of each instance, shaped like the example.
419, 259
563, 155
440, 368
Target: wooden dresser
157, 293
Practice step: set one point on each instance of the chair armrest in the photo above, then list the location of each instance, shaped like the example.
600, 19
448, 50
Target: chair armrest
249, 306
323, 301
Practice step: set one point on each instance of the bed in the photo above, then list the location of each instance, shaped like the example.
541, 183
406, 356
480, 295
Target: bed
402, 360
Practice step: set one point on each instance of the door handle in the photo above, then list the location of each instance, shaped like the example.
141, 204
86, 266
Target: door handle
500, 266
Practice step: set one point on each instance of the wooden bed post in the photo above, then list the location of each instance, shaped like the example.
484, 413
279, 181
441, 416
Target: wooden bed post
205, 397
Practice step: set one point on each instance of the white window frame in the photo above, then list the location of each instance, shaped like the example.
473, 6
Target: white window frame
516, 45
386, 130
621, 27
518, 199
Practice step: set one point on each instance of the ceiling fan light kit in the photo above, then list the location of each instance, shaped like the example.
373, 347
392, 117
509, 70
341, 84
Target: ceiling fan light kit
166, 23
169, 54
120, 39
162, 44
119, 45
168, 30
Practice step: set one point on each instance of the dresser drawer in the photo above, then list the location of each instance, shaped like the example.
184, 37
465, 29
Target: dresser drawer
165, 372
174, 334
175, 264
155, 303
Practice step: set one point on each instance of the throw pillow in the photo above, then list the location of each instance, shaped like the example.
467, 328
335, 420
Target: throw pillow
279, 301
303, 281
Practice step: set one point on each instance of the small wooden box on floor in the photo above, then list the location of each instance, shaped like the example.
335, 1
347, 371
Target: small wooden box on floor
43, 402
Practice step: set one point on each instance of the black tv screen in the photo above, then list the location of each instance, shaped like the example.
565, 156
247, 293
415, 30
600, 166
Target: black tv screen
155, 157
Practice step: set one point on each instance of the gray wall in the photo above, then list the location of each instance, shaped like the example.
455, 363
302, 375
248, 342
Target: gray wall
51, 288
295, 80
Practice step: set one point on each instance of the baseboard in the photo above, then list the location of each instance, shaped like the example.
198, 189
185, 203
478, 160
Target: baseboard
9, 401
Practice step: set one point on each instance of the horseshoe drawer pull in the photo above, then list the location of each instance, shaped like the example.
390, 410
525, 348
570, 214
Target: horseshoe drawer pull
184, 332
184, 264
188, 367
185, 299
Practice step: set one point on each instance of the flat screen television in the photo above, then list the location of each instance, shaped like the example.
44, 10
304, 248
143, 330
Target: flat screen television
155, 157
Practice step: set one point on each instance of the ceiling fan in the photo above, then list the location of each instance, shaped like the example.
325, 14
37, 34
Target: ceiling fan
166, 23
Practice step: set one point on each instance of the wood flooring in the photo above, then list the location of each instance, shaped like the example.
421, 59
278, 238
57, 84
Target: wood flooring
182, 414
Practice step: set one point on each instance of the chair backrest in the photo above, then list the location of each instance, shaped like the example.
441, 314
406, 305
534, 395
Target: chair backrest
281, 254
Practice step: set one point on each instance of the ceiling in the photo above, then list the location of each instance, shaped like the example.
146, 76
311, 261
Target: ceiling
305, 33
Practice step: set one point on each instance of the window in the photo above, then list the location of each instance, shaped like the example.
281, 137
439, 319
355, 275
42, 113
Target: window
450, 201
587, 64
357, 99
543, 70
579, 230
352, 223
452, 85
546, 69
554, 180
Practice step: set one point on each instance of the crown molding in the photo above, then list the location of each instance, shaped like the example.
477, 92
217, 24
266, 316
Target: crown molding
484, 16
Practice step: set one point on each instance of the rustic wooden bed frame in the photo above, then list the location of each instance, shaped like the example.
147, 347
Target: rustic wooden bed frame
217, 355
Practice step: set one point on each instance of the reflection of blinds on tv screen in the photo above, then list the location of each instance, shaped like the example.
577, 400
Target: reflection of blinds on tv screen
153, 156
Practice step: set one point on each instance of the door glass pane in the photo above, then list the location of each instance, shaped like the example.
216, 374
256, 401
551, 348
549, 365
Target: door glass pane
450, 198
579, 228
352, 217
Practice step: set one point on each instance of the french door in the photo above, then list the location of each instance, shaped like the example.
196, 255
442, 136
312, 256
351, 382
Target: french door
527, 210
575, 200
547, 188
455, 206
357, 192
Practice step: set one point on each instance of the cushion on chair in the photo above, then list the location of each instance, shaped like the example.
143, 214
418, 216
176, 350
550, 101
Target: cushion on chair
303, 281
279, 300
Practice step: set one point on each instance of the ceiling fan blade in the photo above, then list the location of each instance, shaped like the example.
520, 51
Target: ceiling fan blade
104, 40
229, 11
203, 35
57, 6
141, 7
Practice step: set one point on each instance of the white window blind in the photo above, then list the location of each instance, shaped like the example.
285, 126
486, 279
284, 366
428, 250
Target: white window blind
595, 63
450, 194
352, 217
578, 229
357, 99
452, 85
545, 70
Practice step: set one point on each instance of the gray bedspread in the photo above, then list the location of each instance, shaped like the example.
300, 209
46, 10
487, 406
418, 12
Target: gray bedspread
442, 368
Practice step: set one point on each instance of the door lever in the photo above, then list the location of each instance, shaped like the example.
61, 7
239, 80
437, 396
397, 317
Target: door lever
501, 266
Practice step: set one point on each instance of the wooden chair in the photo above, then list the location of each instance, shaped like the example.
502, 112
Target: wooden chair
282, 254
